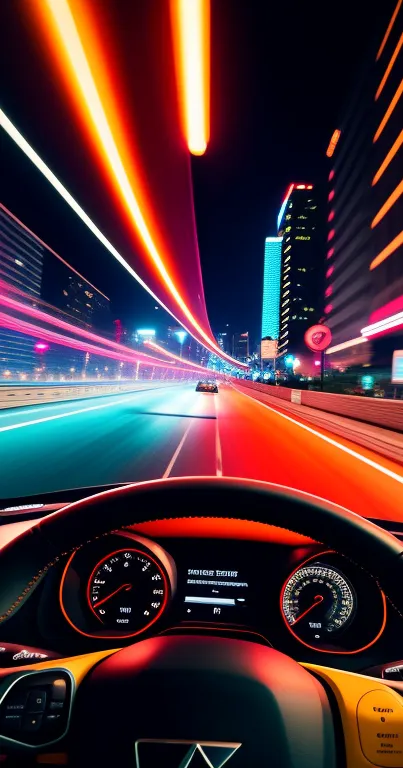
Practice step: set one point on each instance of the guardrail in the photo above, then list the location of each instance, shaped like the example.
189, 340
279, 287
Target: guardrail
382, 413
18, 396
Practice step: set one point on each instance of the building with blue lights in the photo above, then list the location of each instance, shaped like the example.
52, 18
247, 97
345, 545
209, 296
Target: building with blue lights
271, 287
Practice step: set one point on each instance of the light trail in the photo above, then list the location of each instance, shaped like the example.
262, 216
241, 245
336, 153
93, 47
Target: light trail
21, 142
191, 39
78, 63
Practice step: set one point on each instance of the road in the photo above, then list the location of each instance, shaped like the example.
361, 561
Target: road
177, 431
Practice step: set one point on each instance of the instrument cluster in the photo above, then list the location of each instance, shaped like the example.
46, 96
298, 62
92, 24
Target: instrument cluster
122, 587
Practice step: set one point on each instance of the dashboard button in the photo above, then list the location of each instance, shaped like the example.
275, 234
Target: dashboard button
36, 701
56, 705
10, 722
380, 725
32, 722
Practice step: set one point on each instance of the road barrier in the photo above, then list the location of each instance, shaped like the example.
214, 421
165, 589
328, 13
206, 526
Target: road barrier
18, 396
371, 410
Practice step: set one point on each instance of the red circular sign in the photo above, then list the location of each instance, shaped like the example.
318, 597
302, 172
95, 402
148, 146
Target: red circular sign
318, 337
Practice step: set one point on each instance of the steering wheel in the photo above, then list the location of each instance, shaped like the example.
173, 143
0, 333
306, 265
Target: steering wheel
234, 698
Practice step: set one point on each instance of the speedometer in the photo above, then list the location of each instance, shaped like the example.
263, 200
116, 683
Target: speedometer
317, 602
127, 591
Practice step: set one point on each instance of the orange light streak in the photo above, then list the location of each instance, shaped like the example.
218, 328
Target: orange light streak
388, 204
190, 21
389, 29
389, 111
171, 355
389, 67
393, 150
76, 60
333, 142
393, 246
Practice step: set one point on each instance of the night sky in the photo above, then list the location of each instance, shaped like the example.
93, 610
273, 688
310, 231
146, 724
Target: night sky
281, 74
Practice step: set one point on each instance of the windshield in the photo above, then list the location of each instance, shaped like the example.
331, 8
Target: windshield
201, 264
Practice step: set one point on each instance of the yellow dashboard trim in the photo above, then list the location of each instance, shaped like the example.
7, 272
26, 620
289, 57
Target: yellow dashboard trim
362, 724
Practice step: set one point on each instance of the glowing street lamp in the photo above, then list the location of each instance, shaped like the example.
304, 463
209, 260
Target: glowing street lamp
181, 336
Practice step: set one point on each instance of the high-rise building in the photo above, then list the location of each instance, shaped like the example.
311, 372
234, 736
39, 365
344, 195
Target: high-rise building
223, 341
271, 287
36, 275
364, 260
301, 267
240, 346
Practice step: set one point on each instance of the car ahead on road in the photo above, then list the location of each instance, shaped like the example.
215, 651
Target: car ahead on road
207, 386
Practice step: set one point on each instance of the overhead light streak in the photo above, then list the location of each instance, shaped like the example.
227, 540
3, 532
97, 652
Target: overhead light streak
21, 142
389, 157
171, 355
388, 323
389, 111
389, 29
388, 204
346, 345
191, 40
333, 142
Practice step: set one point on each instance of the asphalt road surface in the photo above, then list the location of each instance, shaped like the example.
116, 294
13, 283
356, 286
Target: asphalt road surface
176, 431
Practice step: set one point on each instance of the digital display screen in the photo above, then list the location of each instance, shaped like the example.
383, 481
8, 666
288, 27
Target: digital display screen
215, 594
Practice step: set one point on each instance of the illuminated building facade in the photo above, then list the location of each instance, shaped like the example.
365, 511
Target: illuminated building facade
271, 287
301, 268
364, 261
240, 346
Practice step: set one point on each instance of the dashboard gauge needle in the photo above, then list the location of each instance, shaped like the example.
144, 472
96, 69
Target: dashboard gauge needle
317, 599
126, 587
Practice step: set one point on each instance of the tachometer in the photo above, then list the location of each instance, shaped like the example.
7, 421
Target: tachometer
317, 602
127, 591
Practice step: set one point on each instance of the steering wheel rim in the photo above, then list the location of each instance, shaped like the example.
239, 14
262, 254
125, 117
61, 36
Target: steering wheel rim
25, 560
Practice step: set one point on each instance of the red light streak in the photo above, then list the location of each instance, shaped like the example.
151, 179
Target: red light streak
329, 271
333, 143
330, 253
389, 29
331, 175
331, 195
329, 291
331, 235
331, 216
389, 323
96, 107
328, 308
171, 355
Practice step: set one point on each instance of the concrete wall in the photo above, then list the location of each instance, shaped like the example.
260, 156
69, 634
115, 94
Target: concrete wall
17, 396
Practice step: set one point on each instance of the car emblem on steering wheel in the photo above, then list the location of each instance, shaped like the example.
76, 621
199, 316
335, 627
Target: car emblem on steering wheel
166, 753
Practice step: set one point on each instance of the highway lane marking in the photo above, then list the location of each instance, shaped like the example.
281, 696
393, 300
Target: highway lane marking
218, 449
65, 415
349, 451
177, 452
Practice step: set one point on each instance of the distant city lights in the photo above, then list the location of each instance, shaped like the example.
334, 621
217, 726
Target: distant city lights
146, 332
41, 346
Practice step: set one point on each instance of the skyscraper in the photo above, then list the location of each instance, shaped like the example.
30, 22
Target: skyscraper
240, 346
364, 261
301, 267
271, 287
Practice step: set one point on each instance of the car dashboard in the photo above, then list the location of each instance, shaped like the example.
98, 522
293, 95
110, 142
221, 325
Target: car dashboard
227, 577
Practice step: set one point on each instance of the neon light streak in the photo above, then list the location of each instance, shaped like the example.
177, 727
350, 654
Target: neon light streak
389, 111
388, 204
191, 39
392, 152
331, 174
330, 253
331, 195
73, 46
331, 234
346, 345
394, 321
389, 29
283, 205
389, 67
17, 137
333, 142
171, 355
393, 246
